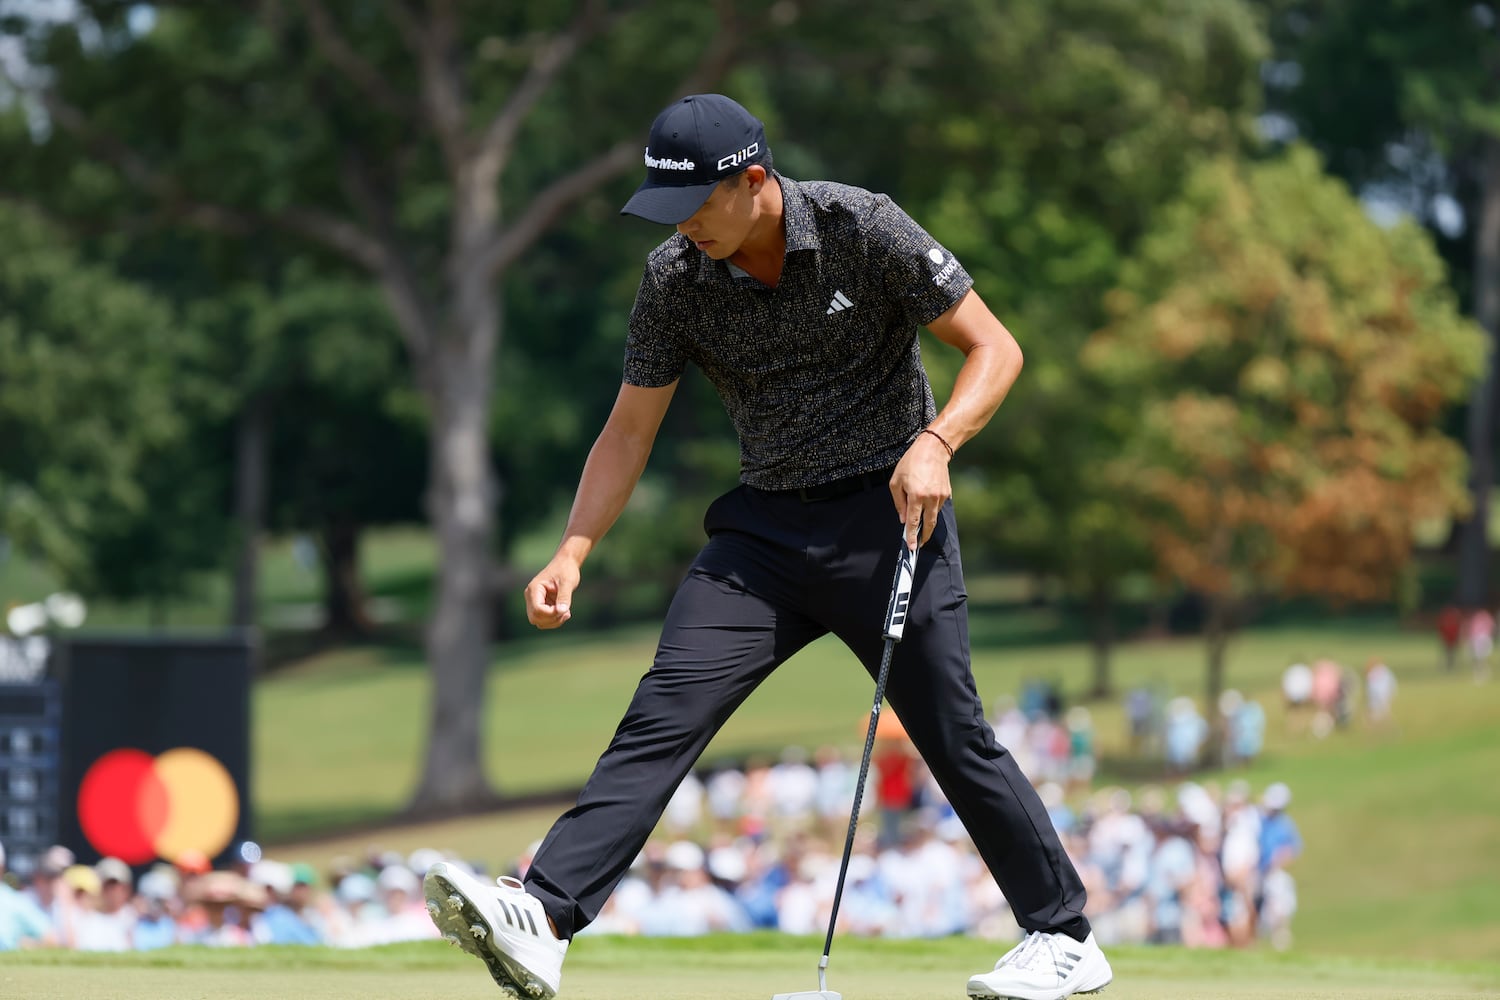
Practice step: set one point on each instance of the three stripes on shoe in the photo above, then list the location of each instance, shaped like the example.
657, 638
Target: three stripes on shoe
513, 915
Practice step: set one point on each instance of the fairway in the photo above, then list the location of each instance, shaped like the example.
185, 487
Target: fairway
751, 967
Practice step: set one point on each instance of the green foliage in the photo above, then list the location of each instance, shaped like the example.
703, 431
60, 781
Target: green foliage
1036, 140
1374, 72
1289, 363
98, 390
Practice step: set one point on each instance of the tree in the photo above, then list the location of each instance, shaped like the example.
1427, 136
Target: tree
1403, 97
1288, 363
410, 143
1037, 139
98, 392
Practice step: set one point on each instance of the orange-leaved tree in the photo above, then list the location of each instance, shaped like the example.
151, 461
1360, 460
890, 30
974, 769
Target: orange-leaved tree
1285, 365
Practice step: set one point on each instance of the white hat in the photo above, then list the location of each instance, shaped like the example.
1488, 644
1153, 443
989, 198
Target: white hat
1277, 796
114, 870
356, 887
274, 875
684, 855
398, 878
158, 883
424, 858
727, 864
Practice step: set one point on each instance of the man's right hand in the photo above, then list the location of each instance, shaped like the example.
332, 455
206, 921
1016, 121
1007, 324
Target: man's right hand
549, 595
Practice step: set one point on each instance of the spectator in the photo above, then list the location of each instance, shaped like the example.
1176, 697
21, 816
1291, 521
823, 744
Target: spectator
1080, 767
354, 921
1239, 860
1380, 691
1172, 867
794, 788
229, 902
894, 773
23, 923
1280, 841
1481, 634
287, 918
109, 923
1280, 845
1326, 683
1244, 728
1296, 693
689, 903
1184, 735
684, 810
405, 911
156, 900
193, 919
46, 888
1450, 626
836, 779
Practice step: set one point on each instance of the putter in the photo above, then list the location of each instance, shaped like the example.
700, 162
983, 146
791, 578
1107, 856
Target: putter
895, 624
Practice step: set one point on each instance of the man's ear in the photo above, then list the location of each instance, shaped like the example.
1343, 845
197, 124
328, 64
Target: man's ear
756, 175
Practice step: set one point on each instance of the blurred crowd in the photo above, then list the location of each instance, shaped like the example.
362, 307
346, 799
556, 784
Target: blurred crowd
757, 846
256, 900
1467, 635
1324, 696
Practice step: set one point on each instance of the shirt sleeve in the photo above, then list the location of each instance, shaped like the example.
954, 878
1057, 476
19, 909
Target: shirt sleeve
919, 271
654, 356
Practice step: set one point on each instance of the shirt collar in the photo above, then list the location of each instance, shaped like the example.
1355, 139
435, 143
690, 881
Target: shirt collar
797, 219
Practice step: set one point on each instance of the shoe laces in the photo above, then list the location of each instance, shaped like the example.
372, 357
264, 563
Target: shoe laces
1036, 954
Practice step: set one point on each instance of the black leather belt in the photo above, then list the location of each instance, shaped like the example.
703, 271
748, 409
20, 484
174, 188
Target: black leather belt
836, 488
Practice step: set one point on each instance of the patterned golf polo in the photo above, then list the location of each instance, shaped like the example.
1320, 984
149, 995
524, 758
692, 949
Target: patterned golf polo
821, 375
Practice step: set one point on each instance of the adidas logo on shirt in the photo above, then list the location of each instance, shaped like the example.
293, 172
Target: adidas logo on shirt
839, 304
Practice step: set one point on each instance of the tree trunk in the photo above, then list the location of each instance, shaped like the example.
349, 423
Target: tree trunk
461, 505
1473, 551
1217, 628
1102, 639
344, 612
252, 435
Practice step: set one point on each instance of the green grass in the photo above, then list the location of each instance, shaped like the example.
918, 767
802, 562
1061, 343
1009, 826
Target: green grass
751, 966
1402, 826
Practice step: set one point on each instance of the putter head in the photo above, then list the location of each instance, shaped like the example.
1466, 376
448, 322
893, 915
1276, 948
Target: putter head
809, 995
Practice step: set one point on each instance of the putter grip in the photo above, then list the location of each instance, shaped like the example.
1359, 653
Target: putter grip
895, 612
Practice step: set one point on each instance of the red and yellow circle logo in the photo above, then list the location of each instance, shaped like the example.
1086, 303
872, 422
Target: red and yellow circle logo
137, 807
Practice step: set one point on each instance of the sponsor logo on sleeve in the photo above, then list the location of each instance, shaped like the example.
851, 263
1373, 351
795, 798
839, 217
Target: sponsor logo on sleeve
946, 271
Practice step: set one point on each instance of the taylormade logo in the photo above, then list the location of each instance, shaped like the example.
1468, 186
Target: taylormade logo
664, 164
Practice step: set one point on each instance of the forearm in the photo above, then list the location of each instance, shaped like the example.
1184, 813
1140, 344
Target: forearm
614, 466
992, 361
983, 381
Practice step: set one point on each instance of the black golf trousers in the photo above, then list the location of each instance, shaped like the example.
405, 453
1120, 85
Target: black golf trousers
779, 571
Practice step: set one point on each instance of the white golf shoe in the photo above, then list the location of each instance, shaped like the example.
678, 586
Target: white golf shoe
503, 925
1045, 967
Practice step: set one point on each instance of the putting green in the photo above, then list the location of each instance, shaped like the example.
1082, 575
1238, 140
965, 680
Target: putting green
749, 968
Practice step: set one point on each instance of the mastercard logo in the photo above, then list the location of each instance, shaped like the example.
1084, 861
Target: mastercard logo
137, 807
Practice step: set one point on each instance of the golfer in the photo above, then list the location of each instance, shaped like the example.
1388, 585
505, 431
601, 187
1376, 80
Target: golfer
800, 301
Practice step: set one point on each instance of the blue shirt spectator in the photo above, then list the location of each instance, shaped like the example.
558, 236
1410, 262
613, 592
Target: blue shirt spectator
1280, 841
22, 922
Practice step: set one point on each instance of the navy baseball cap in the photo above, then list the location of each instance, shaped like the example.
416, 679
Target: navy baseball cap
694, 144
